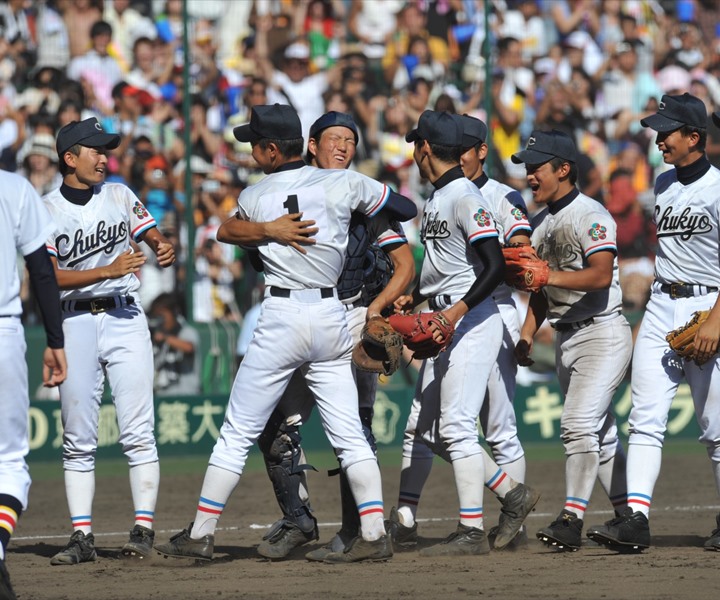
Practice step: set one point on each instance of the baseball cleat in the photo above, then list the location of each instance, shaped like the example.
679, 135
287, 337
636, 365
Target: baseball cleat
283, 538
713, 542
6, 591
564, 533
518, 542
464, 541
360, 549
628, 532
80, 549
334, 545
181, 545
405, 537
140, 544
517, 504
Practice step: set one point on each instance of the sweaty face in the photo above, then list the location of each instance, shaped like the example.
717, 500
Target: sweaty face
90, 165
335, 149
544, 182
675, 148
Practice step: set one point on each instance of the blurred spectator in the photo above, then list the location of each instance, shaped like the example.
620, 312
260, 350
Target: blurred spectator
79, 17
417, 63
97, 68
151, 67
373, 23
216, 272
203, 142
175, 349
128, 25
53, 43
40, 163
15, 27
412, 24
316, 22
524, 22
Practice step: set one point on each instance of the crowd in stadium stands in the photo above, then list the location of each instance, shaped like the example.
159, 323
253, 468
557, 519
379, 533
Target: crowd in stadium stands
591, 68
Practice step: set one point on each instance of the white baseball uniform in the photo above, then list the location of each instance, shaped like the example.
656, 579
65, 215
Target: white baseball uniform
24, 226
114, 341
451, 387
687, 217
592, 336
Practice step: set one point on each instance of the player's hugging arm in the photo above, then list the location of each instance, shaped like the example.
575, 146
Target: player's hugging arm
403, 274
162, 247
287, 229
596, 276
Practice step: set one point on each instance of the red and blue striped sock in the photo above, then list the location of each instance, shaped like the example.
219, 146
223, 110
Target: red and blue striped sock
82, 523
144, 518
639, 502
576, 505
472, 517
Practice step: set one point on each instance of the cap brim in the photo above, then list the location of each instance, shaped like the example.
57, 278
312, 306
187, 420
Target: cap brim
660, 122
716, 119
531, 157
99, 140
413, 136
469, 141
243, 133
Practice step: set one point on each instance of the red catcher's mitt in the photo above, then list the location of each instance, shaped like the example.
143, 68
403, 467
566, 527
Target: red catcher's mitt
524, 269
418, 336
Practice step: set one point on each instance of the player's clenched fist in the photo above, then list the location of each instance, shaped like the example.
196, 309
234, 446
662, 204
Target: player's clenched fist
127, 262
165, 254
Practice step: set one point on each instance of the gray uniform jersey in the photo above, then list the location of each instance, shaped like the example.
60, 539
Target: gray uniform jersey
688, 229
328, 196
455, 216
566, 239
510, 213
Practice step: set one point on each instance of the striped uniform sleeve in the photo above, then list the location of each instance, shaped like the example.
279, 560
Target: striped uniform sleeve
140, 218
598, 232
475, 219
514, 216
369, 196
387, 232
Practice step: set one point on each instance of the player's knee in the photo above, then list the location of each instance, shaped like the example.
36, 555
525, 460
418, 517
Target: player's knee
578, 442
507, 450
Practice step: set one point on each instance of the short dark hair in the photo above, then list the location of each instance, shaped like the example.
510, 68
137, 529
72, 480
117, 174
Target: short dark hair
62, 165
558, 162
100, 28
288, 148
447, 154
688, 130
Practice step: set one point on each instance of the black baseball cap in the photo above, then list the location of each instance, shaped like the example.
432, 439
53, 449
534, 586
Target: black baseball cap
676, 111
334, 119
438, 128
474, 128
272, 122
86, 133
543, 146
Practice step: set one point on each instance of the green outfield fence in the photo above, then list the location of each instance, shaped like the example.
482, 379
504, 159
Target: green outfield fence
187, 425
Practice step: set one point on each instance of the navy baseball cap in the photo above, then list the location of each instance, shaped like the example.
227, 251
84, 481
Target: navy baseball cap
86, 133
272, 122
474, 128
334, 119
677, 111
543, 146
438, 128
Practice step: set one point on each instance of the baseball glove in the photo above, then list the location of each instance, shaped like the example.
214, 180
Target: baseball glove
524, 269
418, 336
379, 349
682, 339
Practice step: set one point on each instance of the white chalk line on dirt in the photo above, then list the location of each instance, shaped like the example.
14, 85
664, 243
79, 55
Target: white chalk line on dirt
543, 515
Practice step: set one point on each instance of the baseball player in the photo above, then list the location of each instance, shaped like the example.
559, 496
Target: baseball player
367, 286
302, 325
24, 226
462, 266
106, 331
582, 301
687, 279
497, 416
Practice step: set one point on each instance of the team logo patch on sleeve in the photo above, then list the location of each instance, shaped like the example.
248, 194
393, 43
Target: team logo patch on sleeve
517, 213
597, 232
140, 211
482, 218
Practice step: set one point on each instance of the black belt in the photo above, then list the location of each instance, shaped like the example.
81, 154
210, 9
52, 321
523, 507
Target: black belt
279, 292
97, 305
584, 323
684, 290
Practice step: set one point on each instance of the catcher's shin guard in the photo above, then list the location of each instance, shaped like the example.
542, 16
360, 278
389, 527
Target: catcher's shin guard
280, 445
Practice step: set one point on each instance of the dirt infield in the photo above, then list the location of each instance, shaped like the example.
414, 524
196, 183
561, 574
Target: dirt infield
684, 510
